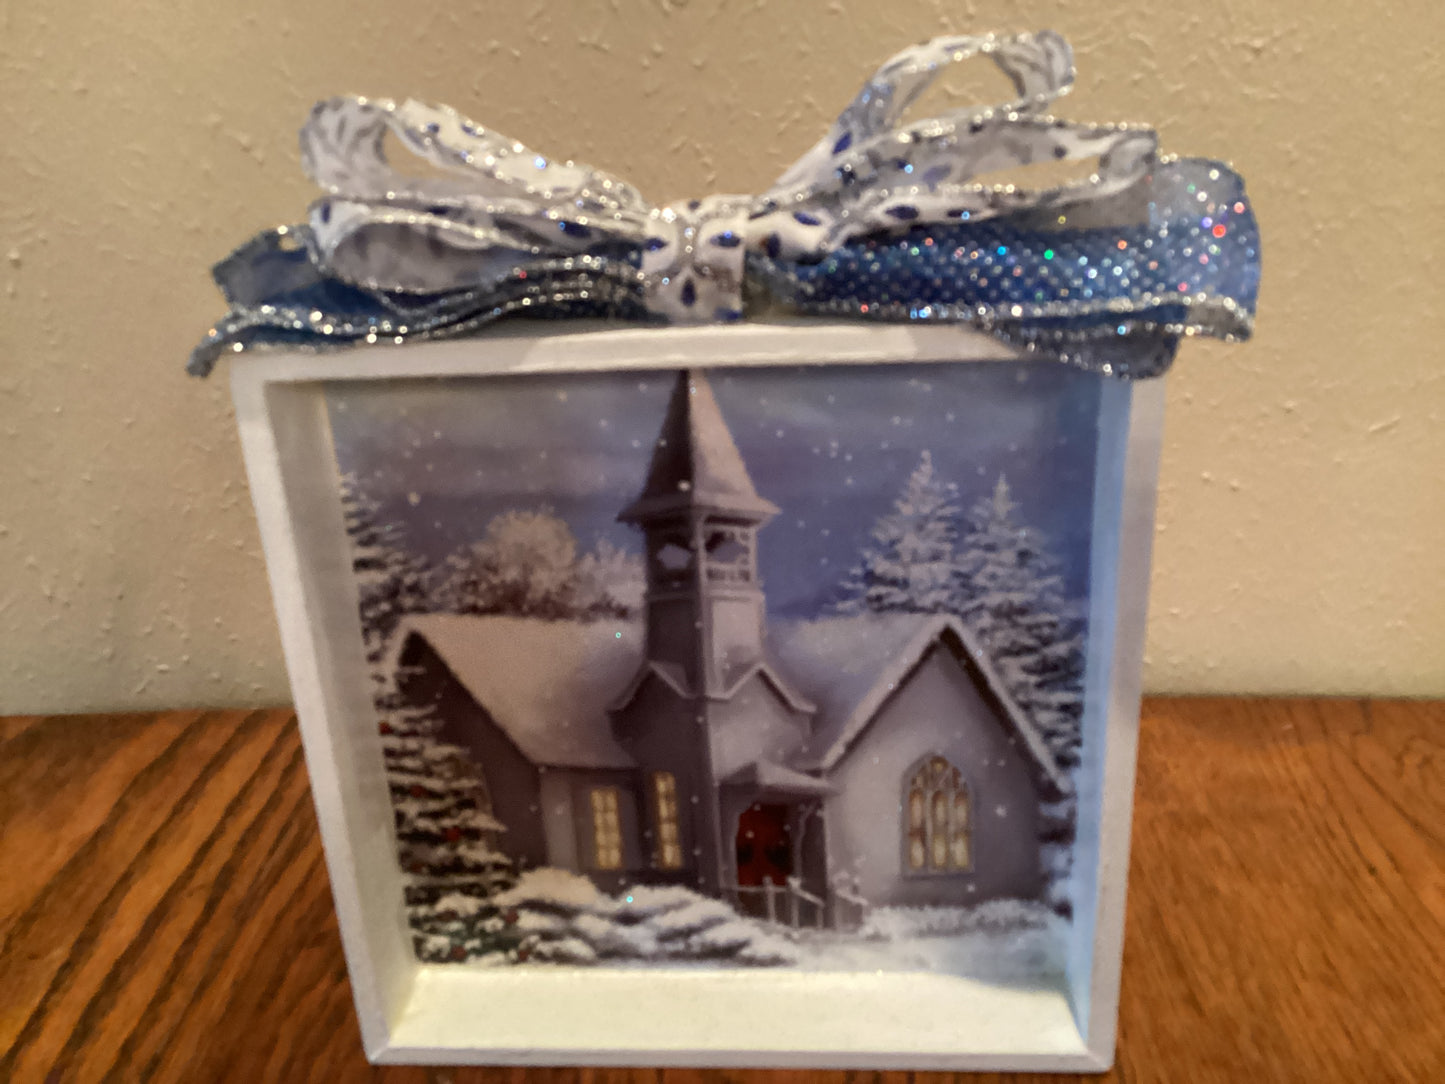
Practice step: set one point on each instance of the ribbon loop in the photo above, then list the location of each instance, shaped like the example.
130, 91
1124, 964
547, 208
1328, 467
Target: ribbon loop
869, 174
496, 203
881, 218
1041, 67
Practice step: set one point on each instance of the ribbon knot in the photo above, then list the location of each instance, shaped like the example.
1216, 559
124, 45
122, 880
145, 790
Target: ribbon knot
693, 260
879, 219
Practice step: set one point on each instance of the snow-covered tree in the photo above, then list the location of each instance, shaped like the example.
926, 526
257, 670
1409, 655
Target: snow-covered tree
391, 582
998, 575
527, 565
1011, 593
611, 582
446, 835
1009, 590
908, 564
1057, 830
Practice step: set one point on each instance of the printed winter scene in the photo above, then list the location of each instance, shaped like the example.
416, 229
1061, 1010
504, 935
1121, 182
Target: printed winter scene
736, 667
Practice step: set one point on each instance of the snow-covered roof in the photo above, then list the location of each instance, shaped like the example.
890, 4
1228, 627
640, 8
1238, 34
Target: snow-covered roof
764, 775
676, 678
550, 684
780, 684
547, 684
851, 665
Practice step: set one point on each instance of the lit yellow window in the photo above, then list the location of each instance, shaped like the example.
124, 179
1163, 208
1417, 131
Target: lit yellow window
917, 830
664, 801
938, 824
606, 829
958, 830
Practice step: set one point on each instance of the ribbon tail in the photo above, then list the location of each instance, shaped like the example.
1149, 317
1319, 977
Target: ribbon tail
282, 296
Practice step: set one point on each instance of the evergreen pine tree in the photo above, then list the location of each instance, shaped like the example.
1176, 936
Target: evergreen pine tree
446, 836
1010, 592
907, 565
390, 581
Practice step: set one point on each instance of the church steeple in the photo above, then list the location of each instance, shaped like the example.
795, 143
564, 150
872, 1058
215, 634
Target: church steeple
701, 515
695, 463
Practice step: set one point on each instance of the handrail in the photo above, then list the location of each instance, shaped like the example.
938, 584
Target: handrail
792, 893
796, 885
848, 890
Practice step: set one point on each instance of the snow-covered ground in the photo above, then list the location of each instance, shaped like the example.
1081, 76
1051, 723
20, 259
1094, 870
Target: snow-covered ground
1003, 940
555, 917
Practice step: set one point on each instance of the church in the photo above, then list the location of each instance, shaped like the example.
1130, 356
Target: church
872, 760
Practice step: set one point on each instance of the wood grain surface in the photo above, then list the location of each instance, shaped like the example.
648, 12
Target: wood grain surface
165, 913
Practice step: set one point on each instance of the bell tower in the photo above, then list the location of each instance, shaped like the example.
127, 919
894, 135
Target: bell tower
700, 515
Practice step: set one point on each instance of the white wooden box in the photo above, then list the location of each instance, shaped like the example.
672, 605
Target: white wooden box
629, 1015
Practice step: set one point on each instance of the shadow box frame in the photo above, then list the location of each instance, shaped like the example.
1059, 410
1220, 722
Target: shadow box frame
412, 1012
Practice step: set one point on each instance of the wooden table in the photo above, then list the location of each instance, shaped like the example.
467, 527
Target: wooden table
166, 915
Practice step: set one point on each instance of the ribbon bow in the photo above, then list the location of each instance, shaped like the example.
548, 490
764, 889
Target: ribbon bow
880, 219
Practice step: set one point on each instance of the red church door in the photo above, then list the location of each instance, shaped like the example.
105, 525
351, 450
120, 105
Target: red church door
764, 851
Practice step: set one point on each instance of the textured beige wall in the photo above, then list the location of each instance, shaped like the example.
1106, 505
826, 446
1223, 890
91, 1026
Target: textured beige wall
1302, 499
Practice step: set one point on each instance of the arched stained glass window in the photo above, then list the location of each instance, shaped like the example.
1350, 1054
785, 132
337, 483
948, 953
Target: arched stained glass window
938, 822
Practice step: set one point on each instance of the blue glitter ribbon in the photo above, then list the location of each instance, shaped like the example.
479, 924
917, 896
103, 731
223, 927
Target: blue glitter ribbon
879, 220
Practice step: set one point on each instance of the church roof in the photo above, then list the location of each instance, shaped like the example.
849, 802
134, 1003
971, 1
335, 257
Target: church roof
850, 666
695, 462
546, 684
549, 684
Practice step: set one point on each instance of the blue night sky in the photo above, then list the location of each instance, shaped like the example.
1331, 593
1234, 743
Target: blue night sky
831, 446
